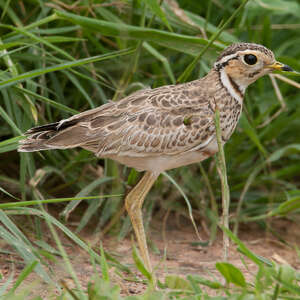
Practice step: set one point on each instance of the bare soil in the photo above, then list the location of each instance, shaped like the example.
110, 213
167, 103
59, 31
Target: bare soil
181, 258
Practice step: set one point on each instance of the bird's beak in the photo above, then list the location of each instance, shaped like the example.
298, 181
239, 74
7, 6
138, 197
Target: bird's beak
281, 67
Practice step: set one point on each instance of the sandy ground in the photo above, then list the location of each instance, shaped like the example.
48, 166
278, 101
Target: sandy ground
182, 257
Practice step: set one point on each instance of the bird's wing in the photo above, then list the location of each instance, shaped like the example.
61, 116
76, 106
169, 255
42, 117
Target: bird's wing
167, 120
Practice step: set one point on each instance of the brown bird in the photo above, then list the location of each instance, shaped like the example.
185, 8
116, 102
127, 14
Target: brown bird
154, 130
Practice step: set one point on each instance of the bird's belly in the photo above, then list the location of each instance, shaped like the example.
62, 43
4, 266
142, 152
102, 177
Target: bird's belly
159, 163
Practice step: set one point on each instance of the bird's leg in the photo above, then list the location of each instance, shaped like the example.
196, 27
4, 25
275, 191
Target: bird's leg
133, 203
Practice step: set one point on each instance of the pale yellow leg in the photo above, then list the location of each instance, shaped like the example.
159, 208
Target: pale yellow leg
134, 202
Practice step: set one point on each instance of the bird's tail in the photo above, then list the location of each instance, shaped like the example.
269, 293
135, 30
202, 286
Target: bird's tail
46, 137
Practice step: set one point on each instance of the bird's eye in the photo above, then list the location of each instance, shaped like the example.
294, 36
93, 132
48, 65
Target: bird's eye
250, 59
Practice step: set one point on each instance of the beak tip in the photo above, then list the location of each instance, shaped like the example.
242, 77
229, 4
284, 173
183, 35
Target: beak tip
287, 68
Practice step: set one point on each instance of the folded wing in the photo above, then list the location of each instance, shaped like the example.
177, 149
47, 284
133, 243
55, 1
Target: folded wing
165, 120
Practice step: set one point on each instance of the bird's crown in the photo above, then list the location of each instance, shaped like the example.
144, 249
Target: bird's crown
238, 47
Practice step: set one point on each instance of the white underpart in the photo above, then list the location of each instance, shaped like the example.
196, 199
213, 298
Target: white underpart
227, 84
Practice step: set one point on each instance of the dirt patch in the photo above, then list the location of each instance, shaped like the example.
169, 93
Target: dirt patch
181, 258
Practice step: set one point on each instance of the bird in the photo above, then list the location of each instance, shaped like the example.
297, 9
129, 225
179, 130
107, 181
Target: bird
154, 130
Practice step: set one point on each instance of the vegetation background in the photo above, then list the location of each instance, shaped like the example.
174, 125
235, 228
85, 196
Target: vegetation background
61, 57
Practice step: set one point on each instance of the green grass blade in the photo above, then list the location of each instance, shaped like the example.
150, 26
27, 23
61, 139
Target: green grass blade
67, 65
163, 59
104, 265
186, 201
24, 274
184, 76
48, 101
54, 200
88, 189
6, 117
222, 170
231, 273
157, 11
250, 131
168, 39
13, 236
140, 265
66, 231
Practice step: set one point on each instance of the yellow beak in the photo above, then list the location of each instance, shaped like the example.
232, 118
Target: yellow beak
281, 67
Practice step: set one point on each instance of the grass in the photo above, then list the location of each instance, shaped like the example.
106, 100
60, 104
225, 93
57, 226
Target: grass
62, 57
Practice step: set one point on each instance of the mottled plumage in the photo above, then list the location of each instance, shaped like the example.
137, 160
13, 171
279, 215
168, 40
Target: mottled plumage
163, 128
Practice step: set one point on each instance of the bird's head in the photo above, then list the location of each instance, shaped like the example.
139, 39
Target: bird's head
244, 63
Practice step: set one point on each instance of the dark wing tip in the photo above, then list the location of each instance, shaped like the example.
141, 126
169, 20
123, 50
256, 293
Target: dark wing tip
51, 126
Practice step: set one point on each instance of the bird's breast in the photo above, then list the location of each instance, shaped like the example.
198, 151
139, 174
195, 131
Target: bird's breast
230, 112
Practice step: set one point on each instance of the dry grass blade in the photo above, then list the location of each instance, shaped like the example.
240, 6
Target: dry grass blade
280, 100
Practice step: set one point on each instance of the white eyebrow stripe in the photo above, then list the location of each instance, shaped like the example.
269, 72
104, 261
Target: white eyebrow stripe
225, 59
232, 56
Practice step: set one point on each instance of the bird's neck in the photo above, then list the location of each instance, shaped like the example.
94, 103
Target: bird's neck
233, 86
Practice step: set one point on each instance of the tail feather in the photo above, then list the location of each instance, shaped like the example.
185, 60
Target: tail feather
68, 133
39, 138
29, 145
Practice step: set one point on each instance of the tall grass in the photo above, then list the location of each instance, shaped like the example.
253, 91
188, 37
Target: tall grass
62, 57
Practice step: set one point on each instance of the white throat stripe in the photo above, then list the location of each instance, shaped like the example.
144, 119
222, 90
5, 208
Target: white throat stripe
227, 84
